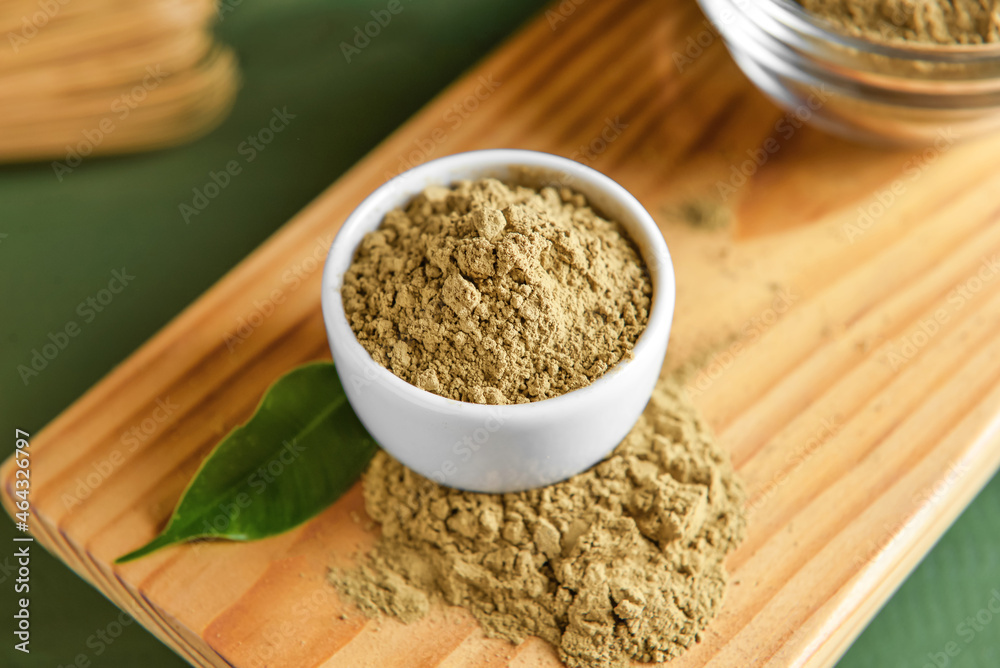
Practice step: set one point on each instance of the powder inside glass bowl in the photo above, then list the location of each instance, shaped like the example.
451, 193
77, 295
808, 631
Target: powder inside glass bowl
947, 22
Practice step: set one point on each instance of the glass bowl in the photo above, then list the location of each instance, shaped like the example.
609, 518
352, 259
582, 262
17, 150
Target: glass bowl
895, 93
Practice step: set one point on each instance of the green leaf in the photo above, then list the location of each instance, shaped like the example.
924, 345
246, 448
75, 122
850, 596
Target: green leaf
299, 452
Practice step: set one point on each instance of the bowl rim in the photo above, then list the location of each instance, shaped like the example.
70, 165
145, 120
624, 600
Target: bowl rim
795, 16
413, 181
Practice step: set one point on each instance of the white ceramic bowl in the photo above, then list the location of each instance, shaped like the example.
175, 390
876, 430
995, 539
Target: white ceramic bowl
500, 448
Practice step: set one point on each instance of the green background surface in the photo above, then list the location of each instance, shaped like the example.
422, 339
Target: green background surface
63, 240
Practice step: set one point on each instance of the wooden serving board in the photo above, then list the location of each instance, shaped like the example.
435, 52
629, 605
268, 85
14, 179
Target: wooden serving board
846, 321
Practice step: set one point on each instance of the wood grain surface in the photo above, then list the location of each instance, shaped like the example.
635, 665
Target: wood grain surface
842, 328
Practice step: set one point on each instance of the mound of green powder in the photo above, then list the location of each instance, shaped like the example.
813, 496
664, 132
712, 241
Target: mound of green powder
496, 293
621, 562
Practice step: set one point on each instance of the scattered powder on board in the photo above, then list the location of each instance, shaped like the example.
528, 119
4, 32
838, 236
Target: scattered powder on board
702, 213
621, 562
921, 21
497, 294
